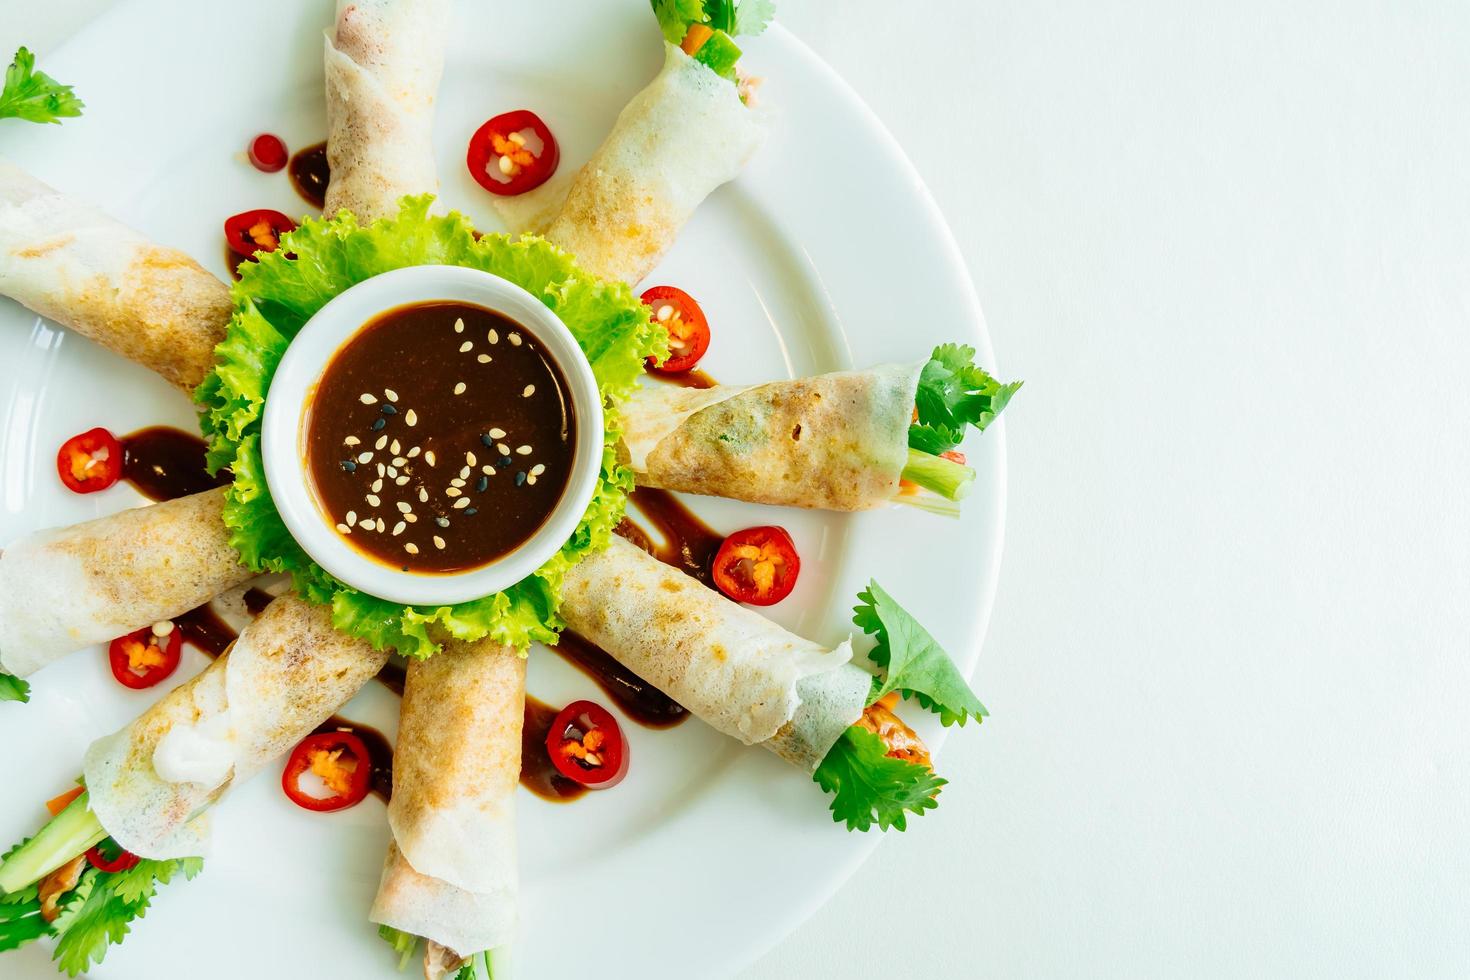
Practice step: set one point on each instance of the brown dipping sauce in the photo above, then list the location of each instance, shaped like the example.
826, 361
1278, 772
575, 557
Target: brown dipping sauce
538, 773
310, 174
690, 543
164, 463
640, 700
440, 437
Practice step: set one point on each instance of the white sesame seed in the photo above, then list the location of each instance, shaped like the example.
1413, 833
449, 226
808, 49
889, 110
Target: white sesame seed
351, 441
381, 469
344, 529
464, 472
413, 452
458, 325
367, 398
514, 338
438, 542
373, 500
390, 394
523, 450
429, 457
395, 449
461, 503
411, 548
423, 495
351, 517
399, 461
466, 347
483, 358
530, 481
163, 628
488, 470
452, 491
538, 469
494, 337
502, 448
497, 433
382, 441
528, 391
400, 481
665, 311
365, 458
398, 528
411, 518
403, 507
377, 485
459, 388
392, 472
469, 457
411, 417
457, 482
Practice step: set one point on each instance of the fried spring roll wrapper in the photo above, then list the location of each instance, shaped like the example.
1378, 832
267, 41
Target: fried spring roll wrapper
451, 872
384, 59
71, 263
733, 668
151, 782
66, 588
831, 442
675, 142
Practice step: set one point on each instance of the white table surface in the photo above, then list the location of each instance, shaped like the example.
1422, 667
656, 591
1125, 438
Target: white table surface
1228, 248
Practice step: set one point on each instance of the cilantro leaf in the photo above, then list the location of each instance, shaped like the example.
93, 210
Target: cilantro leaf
34, 95
675, 16
953, 393
21, 923
868, 787
105, 905
12, 688
914, 663
752, 17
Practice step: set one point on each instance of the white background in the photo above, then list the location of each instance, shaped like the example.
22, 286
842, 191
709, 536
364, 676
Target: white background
1228, 247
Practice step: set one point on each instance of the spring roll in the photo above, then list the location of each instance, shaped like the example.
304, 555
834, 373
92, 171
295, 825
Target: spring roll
733, 668
384, 59
683, 136
835, 441
71, 263
66, 588
450, 876
151, 782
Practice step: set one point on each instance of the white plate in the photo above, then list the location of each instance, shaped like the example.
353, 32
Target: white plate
826, 254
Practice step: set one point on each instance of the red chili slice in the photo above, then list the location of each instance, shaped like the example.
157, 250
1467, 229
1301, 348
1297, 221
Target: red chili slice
587, 746
267, 153
341, 760
142, 658
125, 860
513, 153
758, 565
256, 231
678, 313
90, 462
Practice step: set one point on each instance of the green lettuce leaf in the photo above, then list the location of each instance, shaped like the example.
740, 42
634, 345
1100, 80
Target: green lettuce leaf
277, 295
868, 787
34, 95
12, 688
675, 16
955, 393
914, 663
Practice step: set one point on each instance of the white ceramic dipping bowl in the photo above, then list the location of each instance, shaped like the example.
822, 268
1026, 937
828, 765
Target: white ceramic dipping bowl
287, 415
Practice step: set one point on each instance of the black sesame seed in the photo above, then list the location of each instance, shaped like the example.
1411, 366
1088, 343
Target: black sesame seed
485, 438
379, 423
442, 521
482, 484
504, 461
471, 511
520, 479
349, 465
389, 409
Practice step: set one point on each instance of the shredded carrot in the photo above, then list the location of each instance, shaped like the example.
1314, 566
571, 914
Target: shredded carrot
58, 803
694, 38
